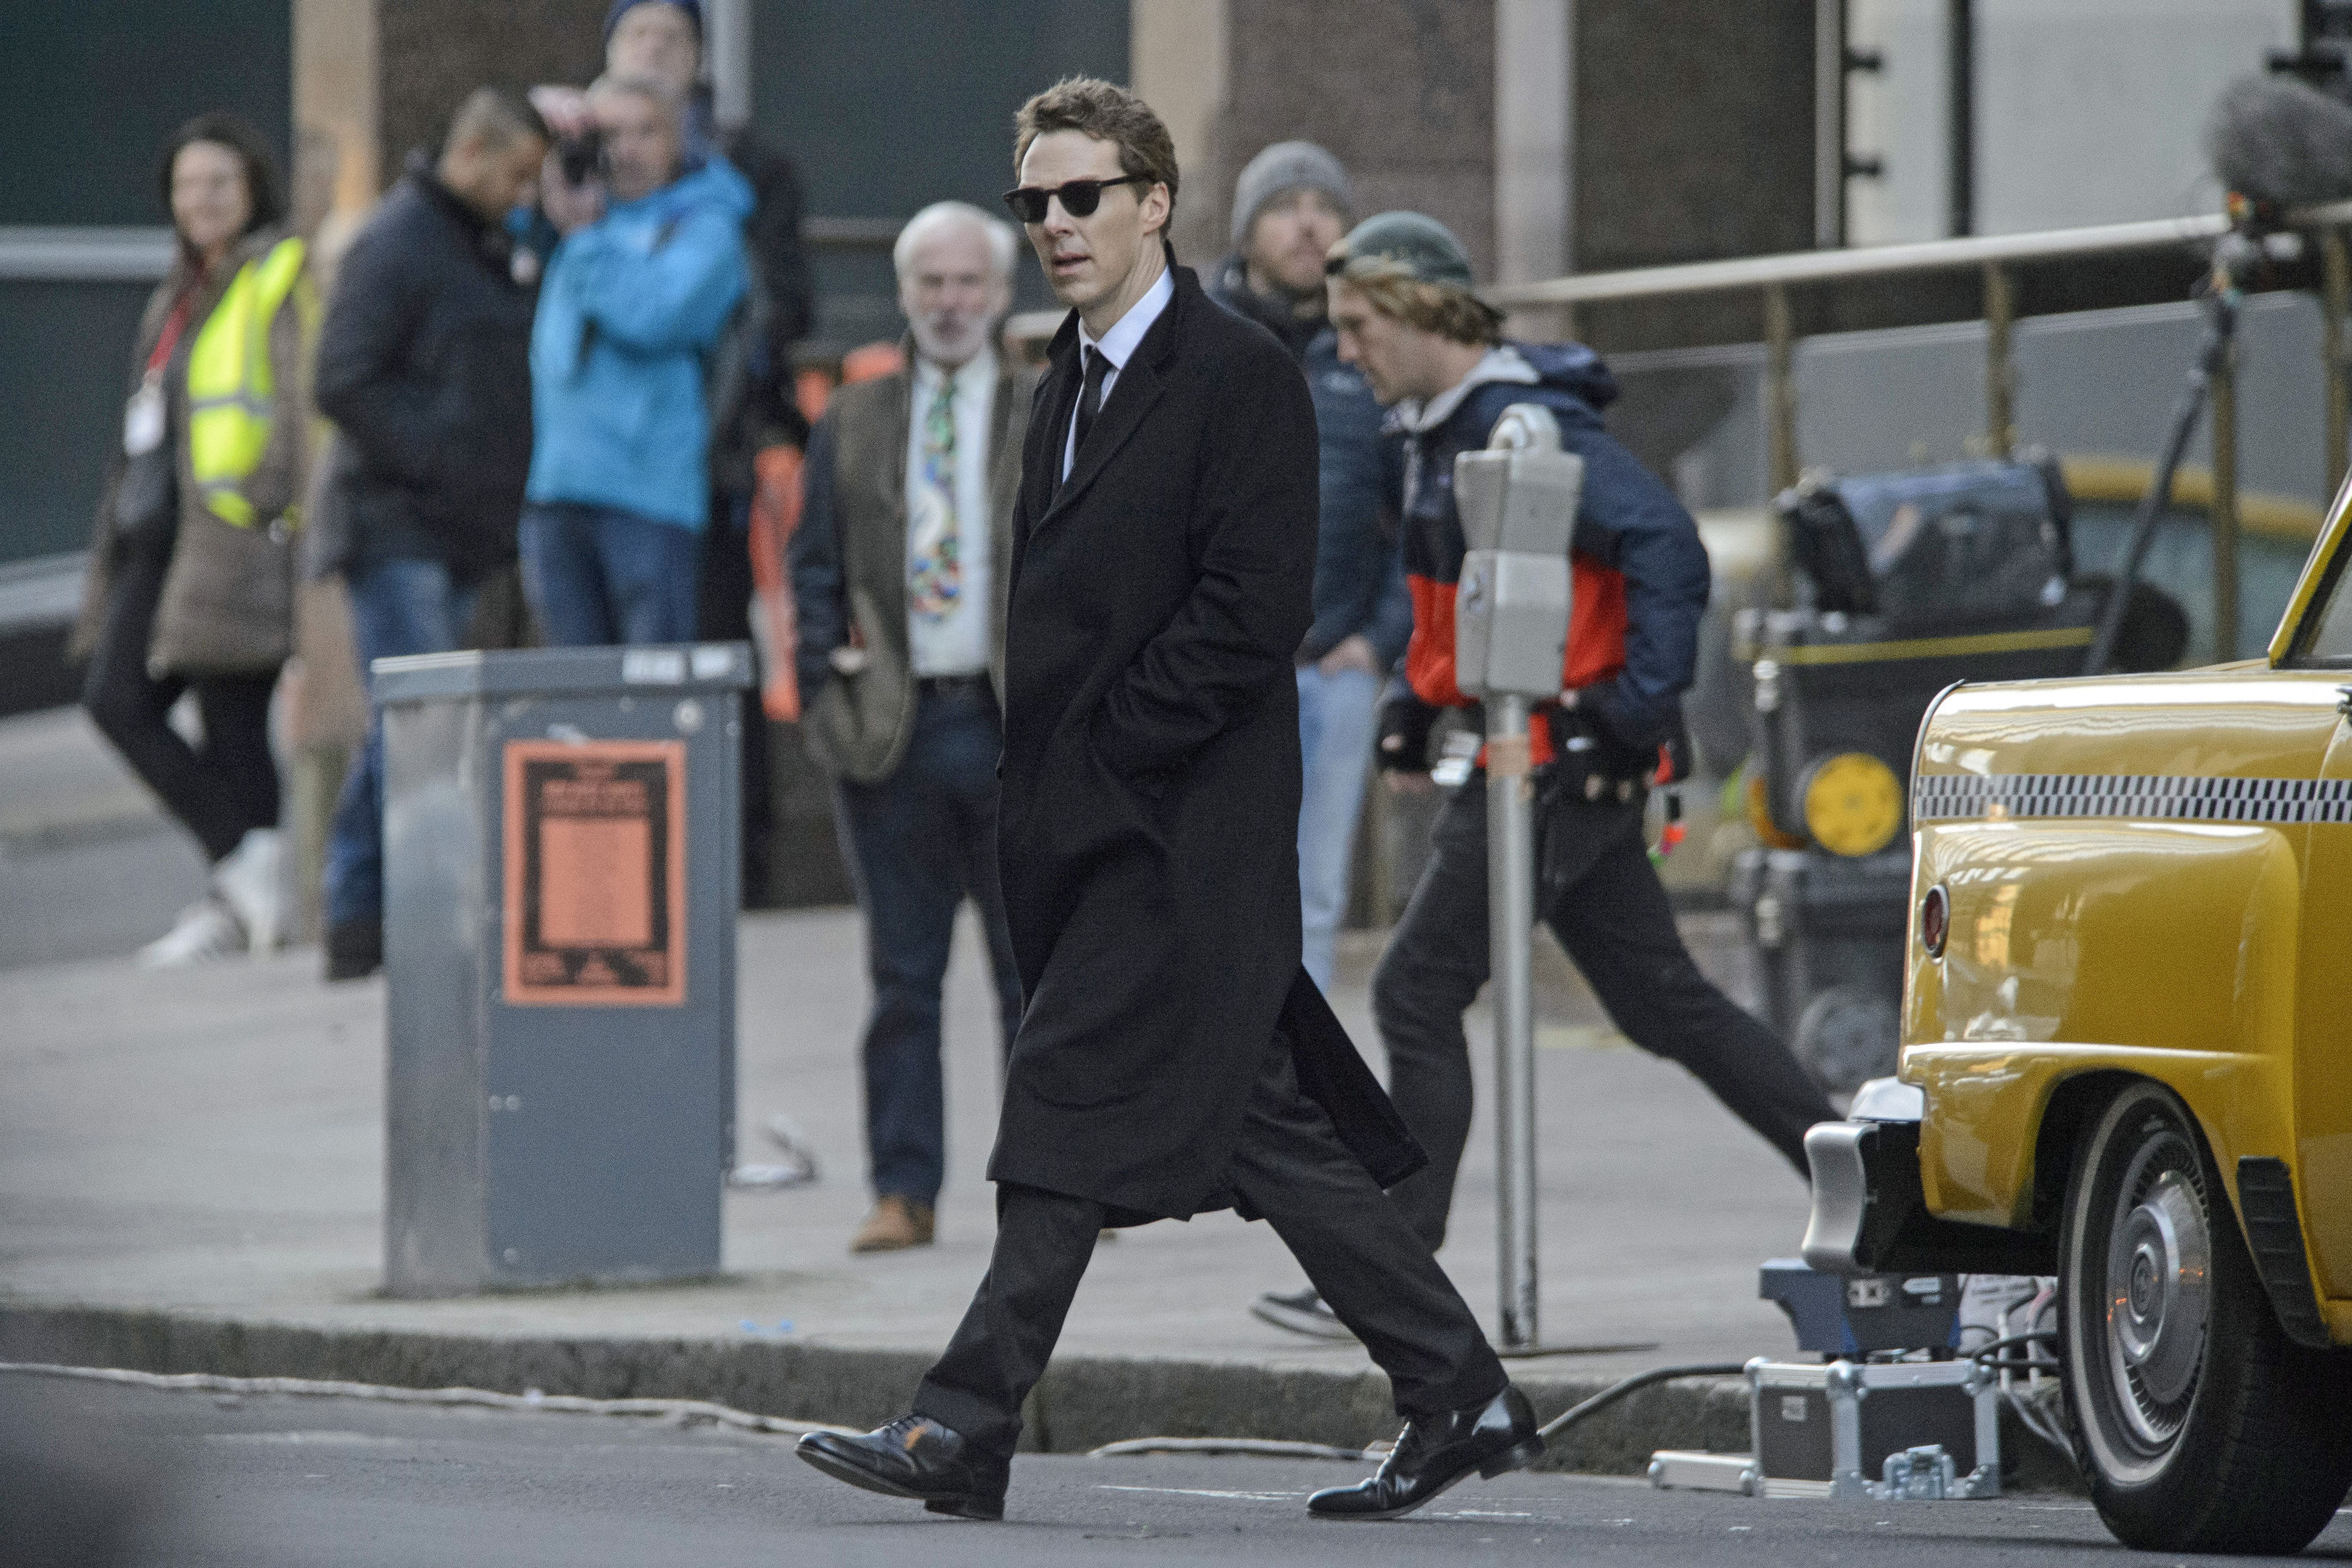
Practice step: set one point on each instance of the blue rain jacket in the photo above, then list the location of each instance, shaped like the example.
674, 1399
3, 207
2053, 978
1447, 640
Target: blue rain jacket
630, 307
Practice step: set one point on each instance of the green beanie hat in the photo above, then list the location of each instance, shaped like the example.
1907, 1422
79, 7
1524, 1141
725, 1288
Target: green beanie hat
1413, 244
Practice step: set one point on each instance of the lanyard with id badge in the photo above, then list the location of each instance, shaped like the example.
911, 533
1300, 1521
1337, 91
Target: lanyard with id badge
146, 498
142, 417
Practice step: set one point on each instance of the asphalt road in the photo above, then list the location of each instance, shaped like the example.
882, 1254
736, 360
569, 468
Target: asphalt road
261, 1481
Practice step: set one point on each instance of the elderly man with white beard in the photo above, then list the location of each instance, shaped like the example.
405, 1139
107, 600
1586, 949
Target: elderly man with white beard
899, 568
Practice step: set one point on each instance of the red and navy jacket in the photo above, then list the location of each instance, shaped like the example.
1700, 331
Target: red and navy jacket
1640, 573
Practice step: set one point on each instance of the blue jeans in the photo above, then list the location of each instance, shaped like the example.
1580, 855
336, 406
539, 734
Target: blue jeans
397, 607
596, 575
1337, 717
919, 843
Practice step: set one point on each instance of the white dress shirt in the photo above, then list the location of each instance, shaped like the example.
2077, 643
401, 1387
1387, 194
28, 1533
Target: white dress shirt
957, 642
1118, 346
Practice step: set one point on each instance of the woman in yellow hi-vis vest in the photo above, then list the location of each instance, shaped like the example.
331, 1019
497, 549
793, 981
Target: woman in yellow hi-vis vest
192, 575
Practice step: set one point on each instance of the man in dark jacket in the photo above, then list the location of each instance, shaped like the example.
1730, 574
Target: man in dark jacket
425, 367
753, 408
1290, 205
1403, 305
1173, 1058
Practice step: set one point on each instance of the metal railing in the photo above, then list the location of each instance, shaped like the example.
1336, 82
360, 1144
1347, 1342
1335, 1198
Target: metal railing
114, 255
143, 255
1994, 256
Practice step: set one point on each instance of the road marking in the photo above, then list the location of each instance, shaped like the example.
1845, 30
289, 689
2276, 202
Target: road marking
1482, 1514
1198, 1491
312, 1440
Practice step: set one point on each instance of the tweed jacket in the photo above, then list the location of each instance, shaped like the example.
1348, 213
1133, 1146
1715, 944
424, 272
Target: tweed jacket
849, 565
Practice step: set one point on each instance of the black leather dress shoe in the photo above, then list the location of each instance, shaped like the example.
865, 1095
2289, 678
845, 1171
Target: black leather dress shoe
916, 1458
1435, 1453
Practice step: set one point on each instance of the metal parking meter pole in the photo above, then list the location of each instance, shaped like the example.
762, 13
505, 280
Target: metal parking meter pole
1517, 500
1510, 914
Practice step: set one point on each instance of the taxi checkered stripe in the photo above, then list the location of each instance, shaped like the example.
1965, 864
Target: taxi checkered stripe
1945, 797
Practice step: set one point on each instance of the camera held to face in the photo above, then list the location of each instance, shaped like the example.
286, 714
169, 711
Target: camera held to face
582, 158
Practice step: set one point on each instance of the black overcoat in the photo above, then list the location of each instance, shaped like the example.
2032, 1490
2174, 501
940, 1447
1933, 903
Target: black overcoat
1149, 818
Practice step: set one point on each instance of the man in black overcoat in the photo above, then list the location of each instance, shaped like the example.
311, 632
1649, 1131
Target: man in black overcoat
1173, 1058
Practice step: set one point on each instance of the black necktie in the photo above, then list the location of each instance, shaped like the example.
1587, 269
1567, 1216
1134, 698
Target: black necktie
1089, 399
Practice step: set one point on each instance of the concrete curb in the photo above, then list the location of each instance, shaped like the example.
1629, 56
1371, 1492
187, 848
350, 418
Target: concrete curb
1083, 1403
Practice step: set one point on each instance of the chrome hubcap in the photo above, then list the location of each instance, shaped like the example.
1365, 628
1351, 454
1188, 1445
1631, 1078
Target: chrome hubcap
2159, 1290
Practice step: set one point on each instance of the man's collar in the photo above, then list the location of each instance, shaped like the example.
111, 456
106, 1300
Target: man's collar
1118, 346
980, 370
1502, 362
490, 234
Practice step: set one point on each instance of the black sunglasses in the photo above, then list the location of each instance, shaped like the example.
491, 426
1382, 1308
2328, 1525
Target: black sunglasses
1079, 197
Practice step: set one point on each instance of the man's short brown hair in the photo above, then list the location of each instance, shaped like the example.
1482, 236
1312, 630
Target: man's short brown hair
1396, 293
1108, 113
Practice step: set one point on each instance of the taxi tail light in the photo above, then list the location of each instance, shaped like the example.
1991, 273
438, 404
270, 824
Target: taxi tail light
1935, 921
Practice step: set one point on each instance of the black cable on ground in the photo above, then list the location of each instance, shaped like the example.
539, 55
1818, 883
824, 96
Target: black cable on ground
1617, 1391
695, 1409
1989, 1355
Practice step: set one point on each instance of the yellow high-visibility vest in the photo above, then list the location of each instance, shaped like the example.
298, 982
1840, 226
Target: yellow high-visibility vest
230, 384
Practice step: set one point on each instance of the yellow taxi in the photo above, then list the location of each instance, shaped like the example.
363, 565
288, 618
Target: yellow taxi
2127, 1017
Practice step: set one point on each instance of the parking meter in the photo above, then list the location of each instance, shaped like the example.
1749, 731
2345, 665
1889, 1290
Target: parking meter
1518, 503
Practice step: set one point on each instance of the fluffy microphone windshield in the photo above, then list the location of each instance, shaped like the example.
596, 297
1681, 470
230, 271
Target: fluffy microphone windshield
2274, 139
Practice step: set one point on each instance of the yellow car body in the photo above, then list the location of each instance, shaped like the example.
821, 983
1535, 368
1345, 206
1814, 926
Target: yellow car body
2145, 876
2127, 1013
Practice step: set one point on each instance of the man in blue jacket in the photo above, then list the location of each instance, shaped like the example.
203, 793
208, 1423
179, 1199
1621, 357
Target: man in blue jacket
650, 267
1291, 203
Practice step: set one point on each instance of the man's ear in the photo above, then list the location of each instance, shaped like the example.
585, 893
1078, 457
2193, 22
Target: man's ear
1156, 207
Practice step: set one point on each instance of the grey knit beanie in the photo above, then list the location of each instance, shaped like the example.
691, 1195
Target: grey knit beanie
1285, 166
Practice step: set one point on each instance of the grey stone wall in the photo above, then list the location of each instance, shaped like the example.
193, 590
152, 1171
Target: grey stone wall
1694, 140
431, 53
1401, 90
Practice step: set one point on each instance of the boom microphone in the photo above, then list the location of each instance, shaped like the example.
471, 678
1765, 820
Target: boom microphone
2278, 142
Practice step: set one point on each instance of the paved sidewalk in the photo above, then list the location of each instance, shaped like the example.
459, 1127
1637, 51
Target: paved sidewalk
89, 863
210, 1142
198, 1157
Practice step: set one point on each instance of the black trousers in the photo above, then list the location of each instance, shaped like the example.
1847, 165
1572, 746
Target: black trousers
219, 790
1289, 1169
722, 613
1611, 916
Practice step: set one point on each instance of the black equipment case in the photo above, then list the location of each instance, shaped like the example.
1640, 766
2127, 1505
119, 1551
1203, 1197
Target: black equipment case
1903, 583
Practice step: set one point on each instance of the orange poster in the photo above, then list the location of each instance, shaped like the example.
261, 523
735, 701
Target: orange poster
595, 873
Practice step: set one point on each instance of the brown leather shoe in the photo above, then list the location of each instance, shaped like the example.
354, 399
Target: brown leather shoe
895, 1224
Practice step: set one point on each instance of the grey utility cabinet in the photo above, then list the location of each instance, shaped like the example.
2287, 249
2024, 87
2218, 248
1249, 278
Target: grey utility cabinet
561, 882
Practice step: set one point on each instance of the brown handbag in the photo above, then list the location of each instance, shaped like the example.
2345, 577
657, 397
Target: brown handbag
227, 606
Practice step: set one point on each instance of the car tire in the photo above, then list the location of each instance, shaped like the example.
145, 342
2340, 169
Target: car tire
2199, 1425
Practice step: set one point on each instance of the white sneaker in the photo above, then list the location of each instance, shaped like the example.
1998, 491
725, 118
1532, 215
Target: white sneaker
251, 882
206, 932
